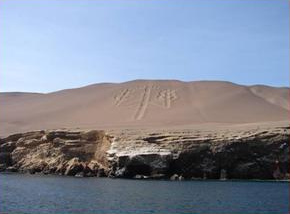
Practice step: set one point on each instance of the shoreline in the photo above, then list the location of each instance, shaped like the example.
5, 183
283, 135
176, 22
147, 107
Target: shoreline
147, 179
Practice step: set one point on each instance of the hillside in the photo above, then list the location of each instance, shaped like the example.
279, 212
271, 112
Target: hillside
143, 104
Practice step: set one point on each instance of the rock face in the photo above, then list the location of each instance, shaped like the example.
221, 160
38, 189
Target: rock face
176, 154
56, 152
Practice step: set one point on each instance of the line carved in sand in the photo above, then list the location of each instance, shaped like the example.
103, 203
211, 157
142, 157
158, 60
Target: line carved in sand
141, 109
119, 98
167, 96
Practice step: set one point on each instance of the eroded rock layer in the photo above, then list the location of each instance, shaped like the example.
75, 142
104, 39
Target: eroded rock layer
260, 153
56, 152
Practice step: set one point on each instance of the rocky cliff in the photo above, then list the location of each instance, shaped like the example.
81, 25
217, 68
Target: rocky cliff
256, 153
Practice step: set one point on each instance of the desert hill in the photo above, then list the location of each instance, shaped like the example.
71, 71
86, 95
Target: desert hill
143, 104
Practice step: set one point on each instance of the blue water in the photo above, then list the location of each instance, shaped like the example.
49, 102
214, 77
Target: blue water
66, 195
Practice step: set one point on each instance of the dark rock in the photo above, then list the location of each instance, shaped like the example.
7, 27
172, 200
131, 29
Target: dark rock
7, 147
5, 158
90, 135
73, 167
139, 177
13, 137
157, 176
3, 167
101, 172
89, 174
11, 169
223, 174
144, 164
80, 174
119, 173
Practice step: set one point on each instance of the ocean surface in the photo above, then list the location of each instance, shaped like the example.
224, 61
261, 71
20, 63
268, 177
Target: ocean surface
65, 195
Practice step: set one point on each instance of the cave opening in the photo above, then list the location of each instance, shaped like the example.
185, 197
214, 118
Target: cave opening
139, 169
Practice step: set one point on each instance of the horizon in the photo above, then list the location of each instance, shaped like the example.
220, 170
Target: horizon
135, 80
90, 42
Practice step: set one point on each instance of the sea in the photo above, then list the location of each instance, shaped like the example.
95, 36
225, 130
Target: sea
39, 194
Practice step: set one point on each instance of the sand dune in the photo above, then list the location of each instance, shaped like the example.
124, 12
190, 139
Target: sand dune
143, 104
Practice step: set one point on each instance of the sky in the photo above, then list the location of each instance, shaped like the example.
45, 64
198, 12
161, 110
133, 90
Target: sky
50, 45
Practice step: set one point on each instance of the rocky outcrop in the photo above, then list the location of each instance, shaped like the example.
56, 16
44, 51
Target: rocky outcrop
177, 154
255, 154
56, 152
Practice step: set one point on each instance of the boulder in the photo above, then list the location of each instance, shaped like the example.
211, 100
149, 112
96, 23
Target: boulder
94, 167
174, 177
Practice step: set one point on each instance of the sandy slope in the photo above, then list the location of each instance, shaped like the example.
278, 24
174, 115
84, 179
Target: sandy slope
143, 104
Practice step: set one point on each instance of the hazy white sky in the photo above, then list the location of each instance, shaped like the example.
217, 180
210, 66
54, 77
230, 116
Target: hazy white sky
49, 45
